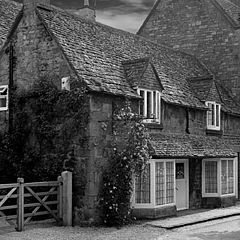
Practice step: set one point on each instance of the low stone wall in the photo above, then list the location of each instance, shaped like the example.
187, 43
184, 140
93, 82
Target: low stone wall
154, 213
218, 202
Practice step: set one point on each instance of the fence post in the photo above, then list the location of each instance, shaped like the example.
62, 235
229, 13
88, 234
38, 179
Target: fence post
60, 197
20, 205
67, 198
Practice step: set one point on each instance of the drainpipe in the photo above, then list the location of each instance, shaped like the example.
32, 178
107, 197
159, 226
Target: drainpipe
10, 87
187, 121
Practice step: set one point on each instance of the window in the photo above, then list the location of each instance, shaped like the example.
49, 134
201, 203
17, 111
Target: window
3, 98
142, 186
156, 186
213, 116
218, 177
150, 107
66, 83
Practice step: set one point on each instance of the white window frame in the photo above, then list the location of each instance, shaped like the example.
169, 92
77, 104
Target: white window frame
4, 88
152, 203
219, 180
155, 107
214, 125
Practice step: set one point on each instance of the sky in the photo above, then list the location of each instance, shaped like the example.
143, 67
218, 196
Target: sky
127, 15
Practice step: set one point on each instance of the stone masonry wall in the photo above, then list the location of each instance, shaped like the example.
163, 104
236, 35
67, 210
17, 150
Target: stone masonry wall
198, 28
195, 183
4, 76
37, 53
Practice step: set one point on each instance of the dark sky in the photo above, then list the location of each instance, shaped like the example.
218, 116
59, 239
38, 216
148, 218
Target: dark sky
124, 14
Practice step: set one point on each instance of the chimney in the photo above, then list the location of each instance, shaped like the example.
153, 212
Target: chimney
30, 5
87, 11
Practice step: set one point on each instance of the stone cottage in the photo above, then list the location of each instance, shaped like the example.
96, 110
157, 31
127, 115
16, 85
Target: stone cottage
193, 120
208, 29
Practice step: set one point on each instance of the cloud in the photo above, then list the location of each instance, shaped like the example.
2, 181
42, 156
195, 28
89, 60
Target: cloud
128, 22
123, 14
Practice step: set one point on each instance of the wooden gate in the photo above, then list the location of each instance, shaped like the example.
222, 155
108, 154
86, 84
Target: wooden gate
22, 202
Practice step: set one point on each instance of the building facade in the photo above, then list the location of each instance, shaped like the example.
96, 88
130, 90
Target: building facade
193, 120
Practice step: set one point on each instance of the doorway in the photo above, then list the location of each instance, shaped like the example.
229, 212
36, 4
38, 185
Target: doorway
182, 184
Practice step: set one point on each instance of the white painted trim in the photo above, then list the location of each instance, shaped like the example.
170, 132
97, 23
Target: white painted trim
186, 172
219, 180
5, 87
214, 126
152, 203
156, 119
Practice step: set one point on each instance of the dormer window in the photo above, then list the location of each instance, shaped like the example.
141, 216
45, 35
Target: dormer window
213, 116
150, 107
3, 98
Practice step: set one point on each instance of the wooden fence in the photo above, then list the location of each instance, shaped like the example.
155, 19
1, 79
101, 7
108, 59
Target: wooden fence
22, 202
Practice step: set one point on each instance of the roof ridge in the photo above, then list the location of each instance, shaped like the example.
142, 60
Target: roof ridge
124, 32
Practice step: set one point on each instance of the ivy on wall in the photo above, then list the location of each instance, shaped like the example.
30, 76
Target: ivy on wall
130, 156
45, 124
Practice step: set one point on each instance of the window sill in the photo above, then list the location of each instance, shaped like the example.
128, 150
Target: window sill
154, 125
214, 132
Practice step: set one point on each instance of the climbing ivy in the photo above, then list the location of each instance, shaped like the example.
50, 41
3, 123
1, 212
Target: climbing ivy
46, 123
130, 156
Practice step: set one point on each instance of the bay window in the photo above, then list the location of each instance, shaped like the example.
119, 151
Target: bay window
218, 177
150, 107
213, 116
156, 186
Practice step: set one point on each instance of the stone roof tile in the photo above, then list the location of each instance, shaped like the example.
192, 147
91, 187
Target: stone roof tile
8, 13
187, 145
97, 51
231, 10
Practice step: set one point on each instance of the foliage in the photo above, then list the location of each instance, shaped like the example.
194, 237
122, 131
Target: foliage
128, 159
44, 122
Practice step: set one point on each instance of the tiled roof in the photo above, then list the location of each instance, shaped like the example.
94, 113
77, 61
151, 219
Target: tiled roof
8, 13
231, 10
97, 51
229, 105
141, 73
134, 70
201, 87
177, 145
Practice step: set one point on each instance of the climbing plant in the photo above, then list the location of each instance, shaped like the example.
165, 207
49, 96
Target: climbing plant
46, 123
130, 155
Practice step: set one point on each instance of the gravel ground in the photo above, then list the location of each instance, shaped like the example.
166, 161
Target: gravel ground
134, 232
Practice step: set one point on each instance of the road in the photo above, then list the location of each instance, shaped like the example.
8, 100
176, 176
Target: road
225, 229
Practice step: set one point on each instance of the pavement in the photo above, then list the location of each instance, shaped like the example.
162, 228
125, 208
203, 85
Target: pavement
191, 217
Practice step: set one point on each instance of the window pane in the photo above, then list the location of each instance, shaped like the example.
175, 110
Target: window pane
141, 107
230, 177
217, 115
209, 114
211, 177
149, 104
158, 107
179, 170
213, 115
169, 182
160, 183
224, 177
154, 105
142, 187
3, 102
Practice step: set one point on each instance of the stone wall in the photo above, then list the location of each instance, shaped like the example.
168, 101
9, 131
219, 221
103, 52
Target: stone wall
195, 183
199, 28
37, 54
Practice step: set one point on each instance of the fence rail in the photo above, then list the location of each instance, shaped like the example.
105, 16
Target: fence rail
24, 201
